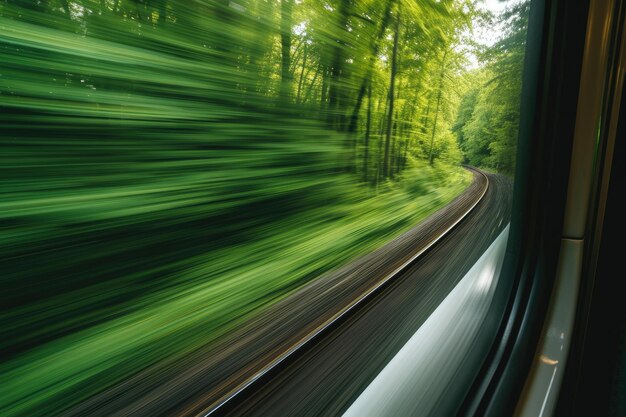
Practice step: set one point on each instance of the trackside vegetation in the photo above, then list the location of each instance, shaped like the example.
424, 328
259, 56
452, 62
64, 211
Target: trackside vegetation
171, 168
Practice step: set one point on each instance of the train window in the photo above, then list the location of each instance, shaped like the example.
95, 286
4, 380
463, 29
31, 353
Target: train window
278, 207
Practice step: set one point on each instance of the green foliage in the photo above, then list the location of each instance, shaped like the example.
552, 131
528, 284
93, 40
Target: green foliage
488, 117
464, 115
171, 168
207, 289
447, 150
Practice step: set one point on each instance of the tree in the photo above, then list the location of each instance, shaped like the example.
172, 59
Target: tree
437, 105
464, 114
392, 97
286, 7
489, 136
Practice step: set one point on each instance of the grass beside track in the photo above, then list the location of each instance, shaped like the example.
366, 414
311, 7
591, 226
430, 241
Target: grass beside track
209, 293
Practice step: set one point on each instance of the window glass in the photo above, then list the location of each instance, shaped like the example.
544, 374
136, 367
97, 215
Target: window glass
176, 172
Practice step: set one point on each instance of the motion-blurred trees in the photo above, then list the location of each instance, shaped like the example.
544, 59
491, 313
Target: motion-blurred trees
161, 156
330, 60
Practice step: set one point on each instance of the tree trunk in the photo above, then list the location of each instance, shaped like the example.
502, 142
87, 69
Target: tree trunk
307, 95
306, 49
368, 126
408, 128
381, 135
286, 7
439, 92
424, 127
324, 92
335, 91
295, 56
370, 68
392, 82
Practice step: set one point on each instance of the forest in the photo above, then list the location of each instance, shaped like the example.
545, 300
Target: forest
172, 167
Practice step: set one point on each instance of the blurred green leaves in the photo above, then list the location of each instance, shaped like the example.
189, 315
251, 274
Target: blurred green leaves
155, 190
